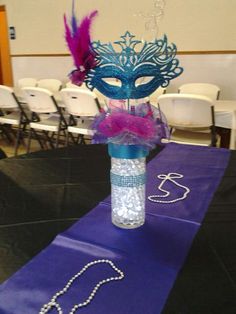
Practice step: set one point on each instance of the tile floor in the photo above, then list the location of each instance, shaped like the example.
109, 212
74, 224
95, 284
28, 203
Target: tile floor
8, 148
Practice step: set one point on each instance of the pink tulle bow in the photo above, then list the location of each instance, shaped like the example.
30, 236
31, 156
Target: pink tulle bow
121, 122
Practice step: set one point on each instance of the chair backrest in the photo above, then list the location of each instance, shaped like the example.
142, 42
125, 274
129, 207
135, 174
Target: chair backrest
154, 96
205, 89
7, 99
80, 102
71, 85
184, 110
40, 100
27, 82
52, 85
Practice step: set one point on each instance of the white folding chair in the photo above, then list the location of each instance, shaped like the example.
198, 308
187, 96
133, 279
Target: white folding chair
52, 85
24, 82
27, 82
190, 117
154, 96
71, 85
46, 116
83, 106
205, 89
12, 114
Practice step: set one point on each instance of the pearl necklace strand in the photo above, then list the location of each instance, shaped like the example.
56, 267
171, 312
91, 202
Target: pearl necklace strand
170, 176
53, 302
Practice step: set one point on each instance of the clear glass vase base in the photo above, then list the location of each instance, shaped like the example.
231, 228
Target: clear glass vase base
128, 177
128, 225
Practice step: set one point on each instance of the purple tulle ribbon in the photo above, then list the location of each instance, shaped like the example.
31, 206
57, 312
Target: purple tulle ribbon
143, 125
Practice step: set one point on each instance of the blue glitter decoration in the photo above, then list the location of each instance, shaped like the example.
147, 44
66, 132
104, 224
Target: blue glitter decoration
127, 151
155, 63
127, 181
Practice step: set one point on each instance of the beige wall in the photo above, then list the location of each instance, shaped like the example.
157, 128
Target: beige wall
218, 69
191, 24
194, 25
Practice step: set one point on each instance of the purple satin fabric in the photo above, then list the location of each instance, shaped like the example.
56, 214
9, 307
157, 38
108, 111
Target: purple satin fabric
150, 256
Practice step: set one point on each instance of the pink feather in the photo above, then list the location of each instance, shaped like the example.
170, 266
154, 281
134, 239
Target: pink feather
79, 44
68, 35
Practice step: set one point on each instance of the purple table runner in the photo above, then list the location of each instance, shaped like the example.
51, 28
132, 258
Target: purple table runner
150, 256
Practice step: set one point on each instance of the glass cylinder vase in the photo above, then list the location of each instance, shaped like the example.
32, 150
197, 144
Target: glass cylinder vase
128, 178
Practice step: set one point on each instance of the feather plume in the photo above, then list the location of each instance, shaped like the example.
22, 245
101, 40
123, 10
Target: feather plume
73, 19
79, 43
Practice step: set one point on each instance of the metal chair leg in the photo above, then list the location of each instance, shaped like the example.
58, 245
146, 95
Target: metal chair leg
5, 132
57, 139
37, 138
29, 141
48, 139
67, 139
72, 138
17, 140
82, 140
78, 140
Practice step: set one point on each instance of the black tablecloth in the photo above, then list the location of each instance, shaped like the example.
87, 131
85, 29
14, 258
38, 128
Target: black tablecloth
43, 193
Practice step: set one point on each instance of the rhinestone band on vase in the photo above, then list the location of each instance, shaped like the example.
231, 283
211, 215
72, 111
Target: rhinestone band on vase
53, 302
170, 176
128, 181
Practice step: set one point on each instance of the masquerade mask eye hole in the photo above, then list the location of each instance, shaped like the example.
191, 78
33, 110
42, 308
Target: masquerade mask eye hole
112, 81
143, 80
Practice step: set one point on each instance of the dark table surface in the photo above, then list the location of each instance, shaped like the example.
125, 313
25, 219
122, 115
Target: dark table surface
43, 193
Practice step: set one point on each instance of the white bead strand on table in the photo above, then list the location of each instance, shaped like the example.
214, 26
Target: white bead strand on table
165, 177
53, 303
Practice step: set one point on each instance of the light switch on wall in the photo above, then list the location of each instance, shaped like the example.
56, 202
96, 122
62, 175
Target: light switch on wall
12, 32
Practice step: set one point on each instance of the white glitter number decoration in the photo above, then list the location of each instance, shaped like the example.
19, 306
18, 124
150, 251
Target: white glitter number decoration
170, 176
152, 18
53, 303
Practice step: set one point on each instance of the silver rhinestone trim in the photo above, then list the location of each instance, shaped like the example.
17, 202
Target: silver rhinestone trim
127, 181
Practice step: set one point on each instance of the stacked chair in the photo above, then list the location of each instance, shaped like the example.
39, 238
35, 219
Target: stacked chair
82, 106
37, 113
24, 82
190, 117
47, 118
47, 111
206, 89
71, 85
27, 82
52, 85
12, 115
153, 98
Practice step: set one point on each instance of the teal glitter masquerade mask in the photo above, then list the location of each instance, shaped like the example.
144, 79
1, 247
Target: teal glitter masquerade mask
133, 61
154, 64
